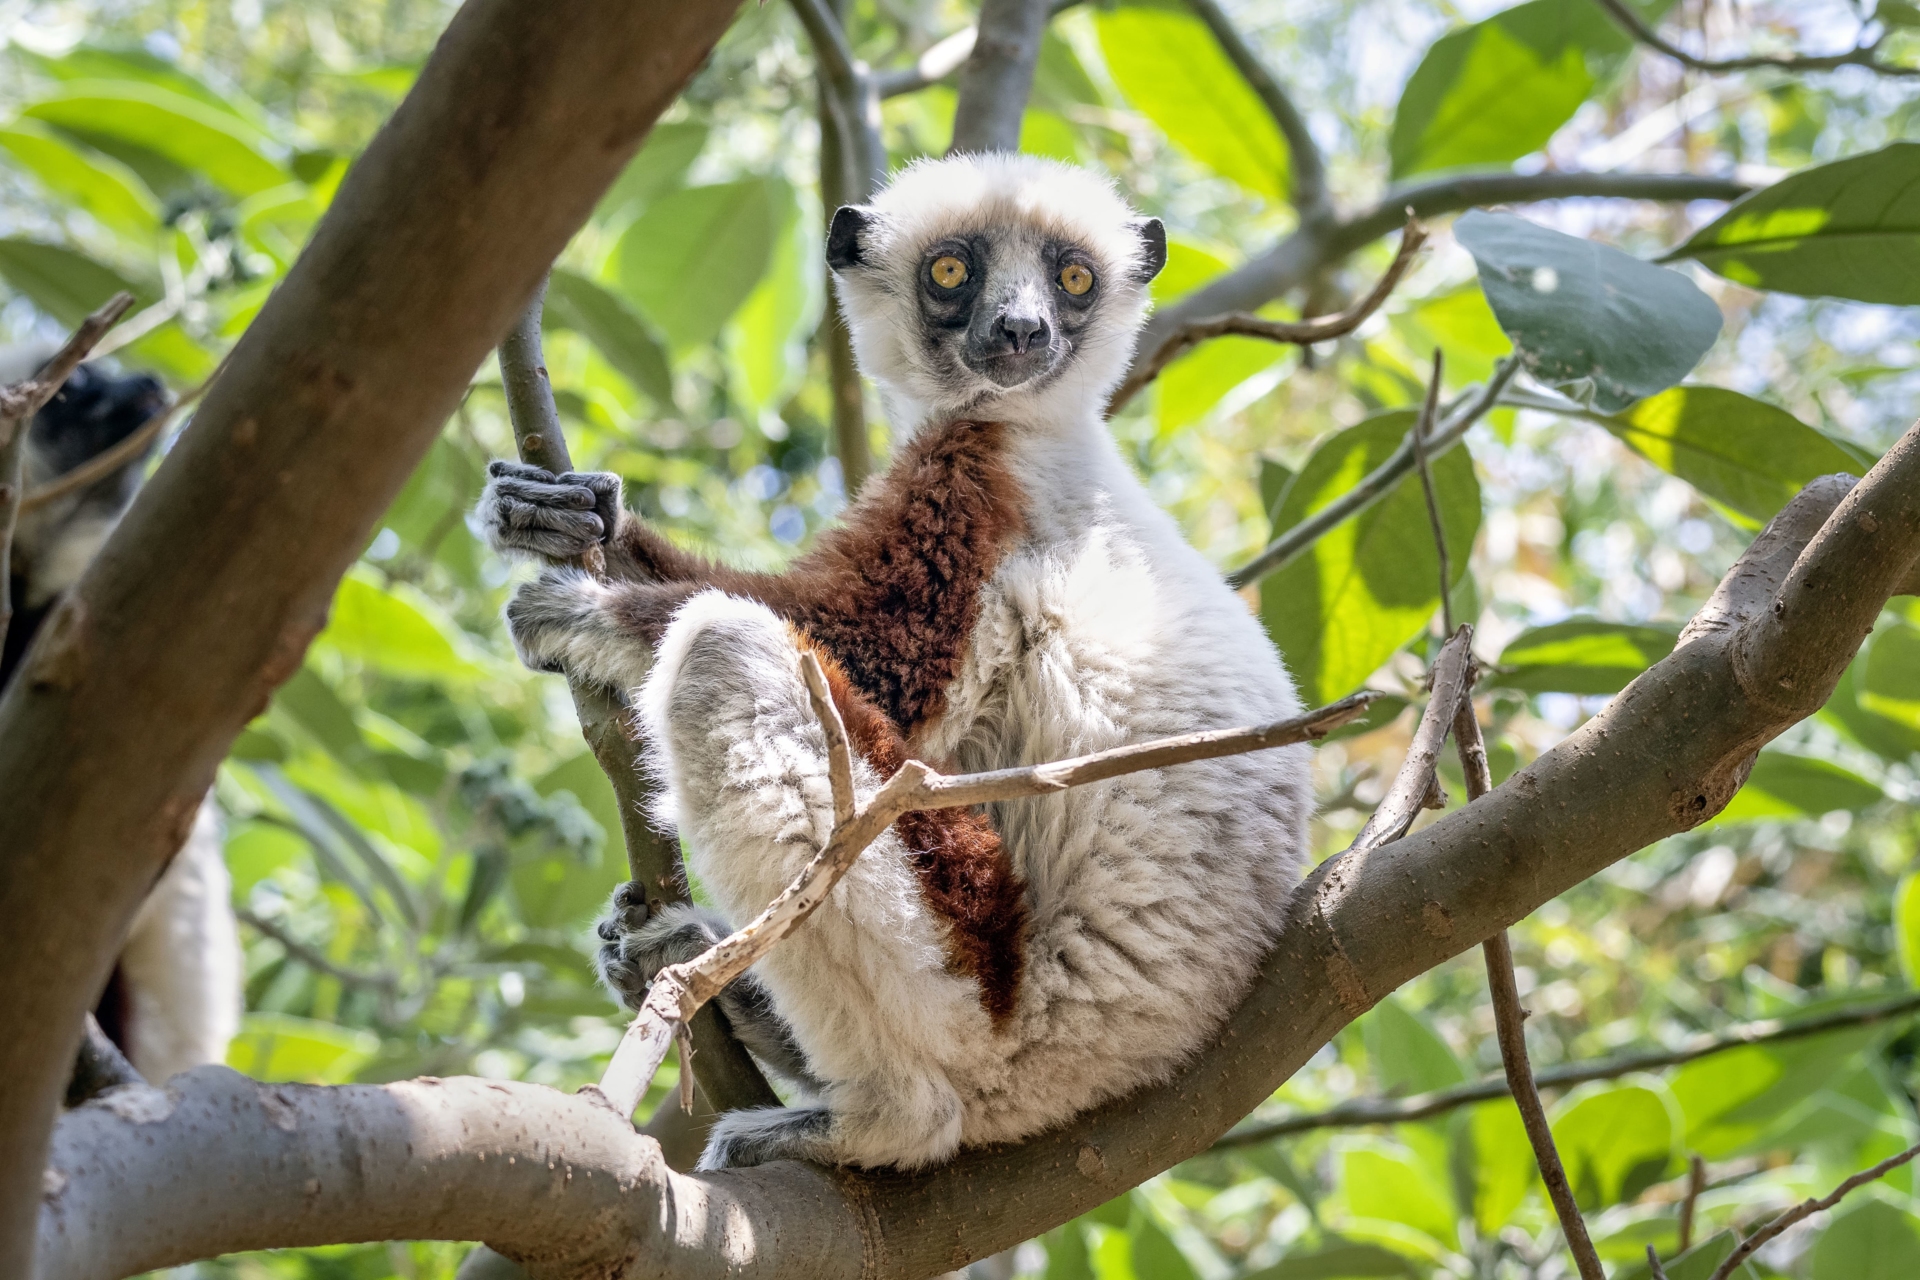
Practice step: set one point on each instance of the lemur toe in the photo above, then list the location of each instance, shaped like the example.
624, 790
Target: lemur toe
637, 943
544, 615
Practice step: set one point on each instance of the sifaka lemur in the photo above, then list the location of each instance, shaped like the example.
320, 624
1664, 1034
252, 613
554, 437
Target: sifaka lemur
173, 1001
1005, 593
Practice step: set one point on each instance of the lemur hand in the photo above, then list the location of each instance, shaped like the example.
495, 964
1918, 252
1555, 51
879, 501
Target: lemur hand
528, 511
636, 944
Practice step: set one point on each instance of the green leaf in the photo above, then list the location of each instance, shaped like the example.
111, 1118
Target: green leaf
1337, 1262
1383, 1182
1741, 452
397, 630
184, 131
1784, 785
1906, 925
1850, 229
1697, 1263
103, 188
1582, 655
768, 336
1170, 67
1734, 1100
1890, 683
1188, 267
1370, 585
1274, 479
1204, 376
63, 282
1155, 1256
1876, 1241
90, 62
1067, 1259
1891, 729
602, 318
1604, 326
1503, 1164
669, 152
1615, 1141
277, 1047
693, 257
1407, 1055
1898, 13
1496, 90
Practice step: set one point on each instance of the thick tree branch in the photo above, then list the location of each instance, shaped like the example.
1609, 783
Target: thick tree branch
998, 76
209, 591
1301, 332
1307, 174
1862, 55
99, 1066
1424, 1106
1374, 485
1664, 755
1311, 249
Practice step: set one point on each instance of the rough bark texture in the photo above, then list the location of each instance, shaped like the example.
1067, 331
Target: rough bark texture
998, 75
209, 592
1665, 754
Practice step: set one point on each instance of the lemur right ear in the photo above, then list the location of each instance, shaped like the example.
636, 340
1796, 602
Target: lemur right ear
850, 226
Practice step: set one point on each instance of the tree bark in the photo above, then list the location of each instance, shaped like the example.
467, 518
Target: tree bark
1664, 755
997, 78
209, 592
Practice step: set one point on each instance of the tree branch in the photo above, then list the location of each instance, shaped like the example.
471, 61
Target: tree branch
1372, 1111
313, 958
998, 76
1374, 485
490, 1159
99, 1066
1806, 1209
1408, 794
1858, 56
1302, 333
207, 594
1308, 169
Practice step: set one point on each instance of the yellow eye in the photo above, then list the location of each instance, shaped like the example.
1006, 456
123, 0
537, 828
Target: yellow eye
949, 272
1075, 279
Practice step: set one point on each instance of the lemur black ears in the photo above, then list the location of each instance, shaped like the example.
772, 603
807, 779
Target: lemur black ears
1153, 247
850, 225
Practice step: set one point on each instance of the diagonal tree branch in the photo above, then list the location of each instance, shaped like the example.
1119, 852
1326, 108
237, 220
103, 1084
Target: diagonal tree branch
1664, 755
1806, 1209
207, 594
997, 78
1308, 168
1862, 55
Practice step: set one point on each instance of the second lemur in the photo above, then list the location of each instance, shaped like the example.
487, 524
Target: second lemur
1005, 593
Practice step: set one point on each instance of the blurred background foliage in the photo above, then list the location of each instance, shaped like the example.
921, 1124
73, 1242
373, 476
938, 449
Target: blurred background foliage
419, 841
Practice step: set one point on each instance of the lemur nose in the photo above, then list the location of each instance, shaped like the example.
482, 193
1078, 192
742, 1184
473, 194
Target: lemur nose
1023, 333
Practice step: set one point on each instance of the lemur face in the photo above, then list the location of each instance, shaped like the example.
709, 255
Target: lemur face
992, 285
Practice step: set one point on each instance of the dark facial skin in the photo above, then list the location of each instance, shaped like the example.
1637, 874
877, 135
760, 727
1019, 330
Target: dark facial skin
1006, 321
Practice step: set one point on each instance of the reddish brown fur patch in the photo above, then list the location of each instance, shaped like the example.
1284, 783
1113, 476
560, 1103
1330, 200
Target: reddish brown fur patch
888, 601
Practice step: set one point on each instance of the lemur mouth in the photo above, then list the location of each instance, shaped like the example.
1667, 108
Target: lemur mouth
1009, 369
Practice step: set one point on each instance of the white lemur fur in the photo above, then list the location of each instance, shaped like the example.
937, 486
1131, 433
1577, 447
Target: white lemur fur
174, 999
977, 981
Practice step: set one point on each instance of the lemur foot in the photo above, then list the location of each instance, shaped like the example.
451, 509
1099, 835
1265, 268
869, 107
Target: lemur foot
636, 943
765, 1134
528, 511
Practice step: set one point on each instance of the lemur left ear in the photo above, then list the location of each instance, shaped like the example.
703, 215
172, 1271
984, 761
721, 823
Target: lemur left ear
850, 226
1153, 248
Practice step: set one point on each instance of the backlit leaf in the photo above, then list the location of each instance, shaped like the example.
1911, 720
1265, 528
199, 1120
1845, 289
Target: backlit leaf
1582, 655
693, 257
1615, 1142
1380, 1181
278, 1047
602, 318
767, 340
395, 629
1605, 326
1785, 785
63, 282
1876, 1241
104, 188
662, 162
1407, 1055
187, 132
1503, 1164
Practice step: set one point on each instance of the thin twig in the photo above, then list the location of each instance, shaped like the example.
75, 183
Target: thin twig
111, 460
839, 753
1806, 1209
313, 958
99, 1066
679, 991
18, 404
1696, 1183
1421, 429
1374, 485
1245, 324
1308, 175
1859, 56
1653, 1265
1408, 794
1424, 1106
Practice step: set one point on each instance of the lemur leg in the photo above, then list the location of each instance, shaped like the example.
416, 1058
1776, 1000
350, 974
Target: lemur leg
863, 983
635, 946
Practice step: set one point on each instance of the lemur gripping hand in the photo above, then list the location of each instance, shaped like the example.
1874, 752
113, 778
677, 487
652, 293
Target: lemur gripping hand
529, 511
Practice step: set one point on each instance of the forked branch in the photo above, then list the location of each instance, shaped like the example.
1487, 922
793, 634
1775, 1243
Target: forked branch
1806, 1209
1861, 55
1299, 332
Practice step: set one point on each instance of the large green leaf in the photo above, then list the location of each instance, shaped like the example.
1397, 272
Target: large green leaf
1741, 452
275, 1046
1850, 229
669, 152
1493, 91
1733, 1100
1890, 684
1889, 728
1582, 655
1603, 325
184, 131
1785, 785
1335, 1262
1171, 68
1383, 1182
1697, 1263
1616, 1141
1876, 1241
1368, 586
1407, 1055
103, 188
63, 282
1503, 1164
1906, 925
397, 630
577, 303
767, 340
693, 257
92, 63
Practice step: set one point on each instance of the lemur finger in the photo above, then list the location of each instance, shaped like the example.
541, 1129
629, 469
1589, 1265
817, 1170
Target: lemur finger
545, 493
519, 523
519, 470
605, 486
